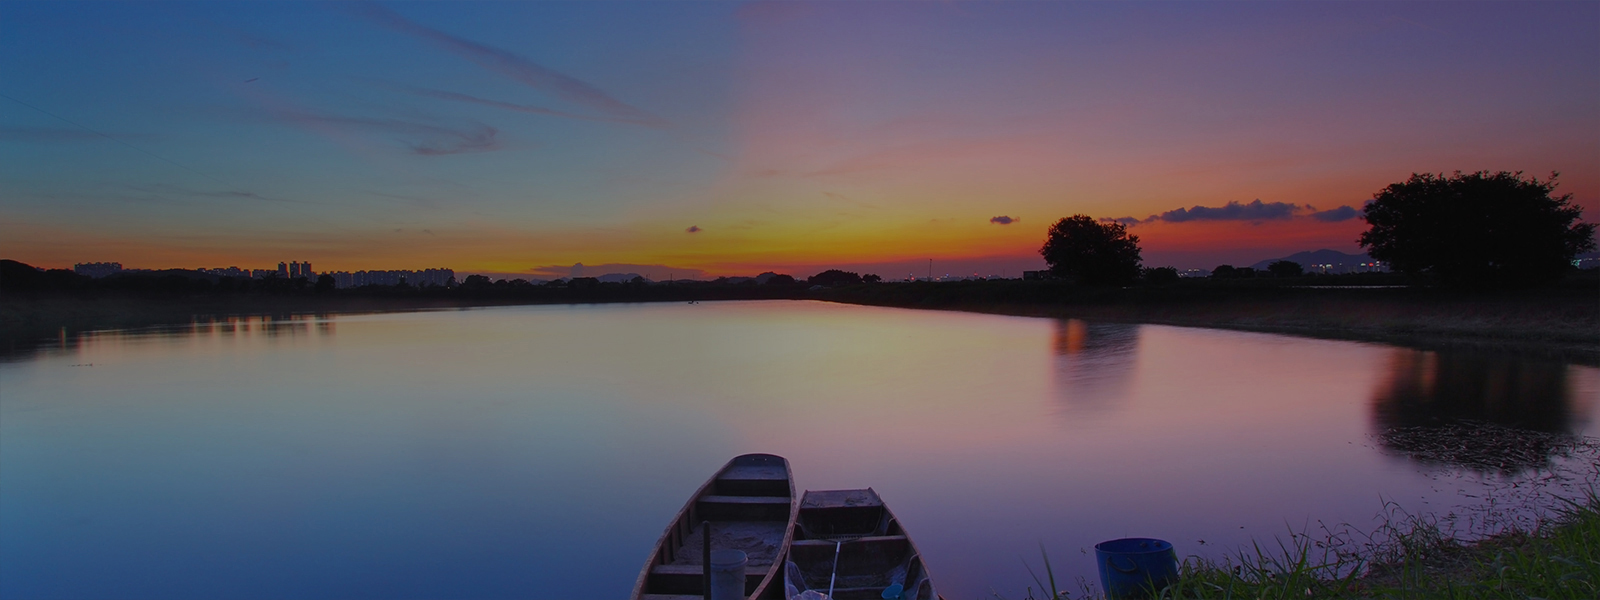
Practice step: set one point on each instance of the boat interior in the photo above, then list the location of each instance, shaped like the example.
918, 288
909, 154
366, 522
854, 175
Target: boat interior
747, 508
873, 552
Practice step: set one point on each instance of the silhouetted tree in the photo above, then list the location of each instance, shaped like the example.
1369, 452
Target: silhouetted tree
1087, 251
1492, 228
781, 279
1286, 268
833, 277
1224, 272
1161, 275
871, 278
476, 282
325, 284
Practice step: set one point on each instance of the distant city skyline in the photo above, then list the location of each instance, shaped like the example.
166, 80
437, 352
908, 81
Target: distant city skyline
1321, 261
710, 139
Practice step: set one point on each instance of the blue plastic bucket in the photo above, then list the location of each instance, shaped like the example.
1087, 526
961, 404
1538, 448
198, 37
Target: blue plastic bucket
1136, 567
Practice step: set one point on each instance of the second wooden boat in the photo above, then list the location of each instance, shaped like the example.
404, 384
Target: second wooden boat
847, 545
749, 506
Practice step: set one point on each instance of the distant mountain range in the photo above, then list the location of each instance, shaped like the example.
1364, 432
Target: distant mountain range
1340, 261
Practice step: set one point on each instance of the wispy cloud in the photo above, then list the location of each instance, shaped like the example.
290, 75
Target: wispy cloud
693, 229
1232, 211
512, 106
422, 138
522, 108
56, 134
239, 35
1254, 212
164, 189
508, 64
165, 194
1343, 213
1003, 220
417, 200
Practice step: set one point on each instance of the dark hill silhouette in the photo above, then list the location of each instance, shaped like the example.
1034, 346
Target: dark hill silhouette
1341, 262
22, 277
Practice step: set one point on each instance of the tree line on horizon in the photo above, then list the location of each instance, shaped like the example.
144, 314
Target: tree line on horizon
1476, 229
16, 276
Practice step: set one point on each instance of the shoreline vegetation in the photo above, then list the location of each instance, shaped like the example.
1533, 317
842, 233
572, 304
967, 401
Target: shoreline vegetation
1409, 557
1560, 322
1533, 533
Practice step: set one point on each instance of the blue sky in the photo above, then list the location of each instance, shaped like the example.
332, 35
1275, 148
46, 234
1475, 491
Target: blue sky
732, 138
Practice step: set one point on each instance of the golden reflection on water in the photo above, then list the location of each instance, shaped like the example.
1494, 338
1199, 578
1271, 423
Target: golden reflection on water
1094, 363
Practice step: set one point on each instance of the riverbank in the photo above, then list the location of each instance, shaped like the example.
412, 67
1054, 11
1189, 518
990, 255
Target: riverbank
1413, 558
1557, 323
1561, 323
29, 319
1558, 559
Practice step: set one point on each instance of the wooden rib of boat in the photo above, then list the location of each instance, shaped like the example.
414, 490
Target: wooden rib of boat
750, 506
873, 552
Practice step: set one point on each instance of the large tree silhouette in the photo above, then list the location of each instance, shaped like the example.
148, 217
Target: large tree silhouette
834, 277
1488, 228
1086, 251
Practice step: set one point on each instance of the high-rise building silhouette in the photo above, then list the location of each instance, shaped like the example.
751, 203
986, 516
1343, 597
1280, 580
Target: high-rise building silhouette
98, 269
423, 278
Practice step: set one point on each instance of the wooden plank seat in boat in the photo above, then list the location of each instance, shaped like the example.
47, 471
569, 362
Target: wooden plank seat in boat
753, 480
862, 550
888, 540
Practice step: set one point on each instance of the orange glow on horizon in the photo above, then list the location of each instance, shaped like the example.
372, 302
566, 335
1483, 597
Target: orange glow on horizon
716, 250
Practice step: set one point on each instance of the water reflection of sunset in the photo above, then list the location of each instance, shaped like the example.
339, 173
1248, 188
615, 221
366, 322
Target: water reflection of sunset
494, 439
1431, 388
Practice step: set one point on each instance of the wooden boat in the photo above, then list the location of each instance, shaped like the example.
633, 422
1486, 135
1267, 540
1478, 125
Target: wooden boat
749, 505
849, 541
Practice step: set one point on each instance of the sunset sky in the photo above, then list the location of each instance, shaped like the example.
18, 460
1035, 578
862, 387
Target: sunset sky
720, 138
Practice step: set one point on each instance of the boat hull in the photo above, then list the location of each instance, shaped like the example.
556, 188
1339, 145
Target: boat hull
748, 505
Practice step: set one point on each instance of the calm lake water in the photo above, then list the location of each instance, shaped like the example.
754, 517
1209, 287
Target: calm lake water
539, 451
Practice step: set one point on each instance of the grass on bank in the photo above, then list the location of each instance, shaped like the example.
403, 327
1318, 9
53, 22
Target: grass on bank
1415, 559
